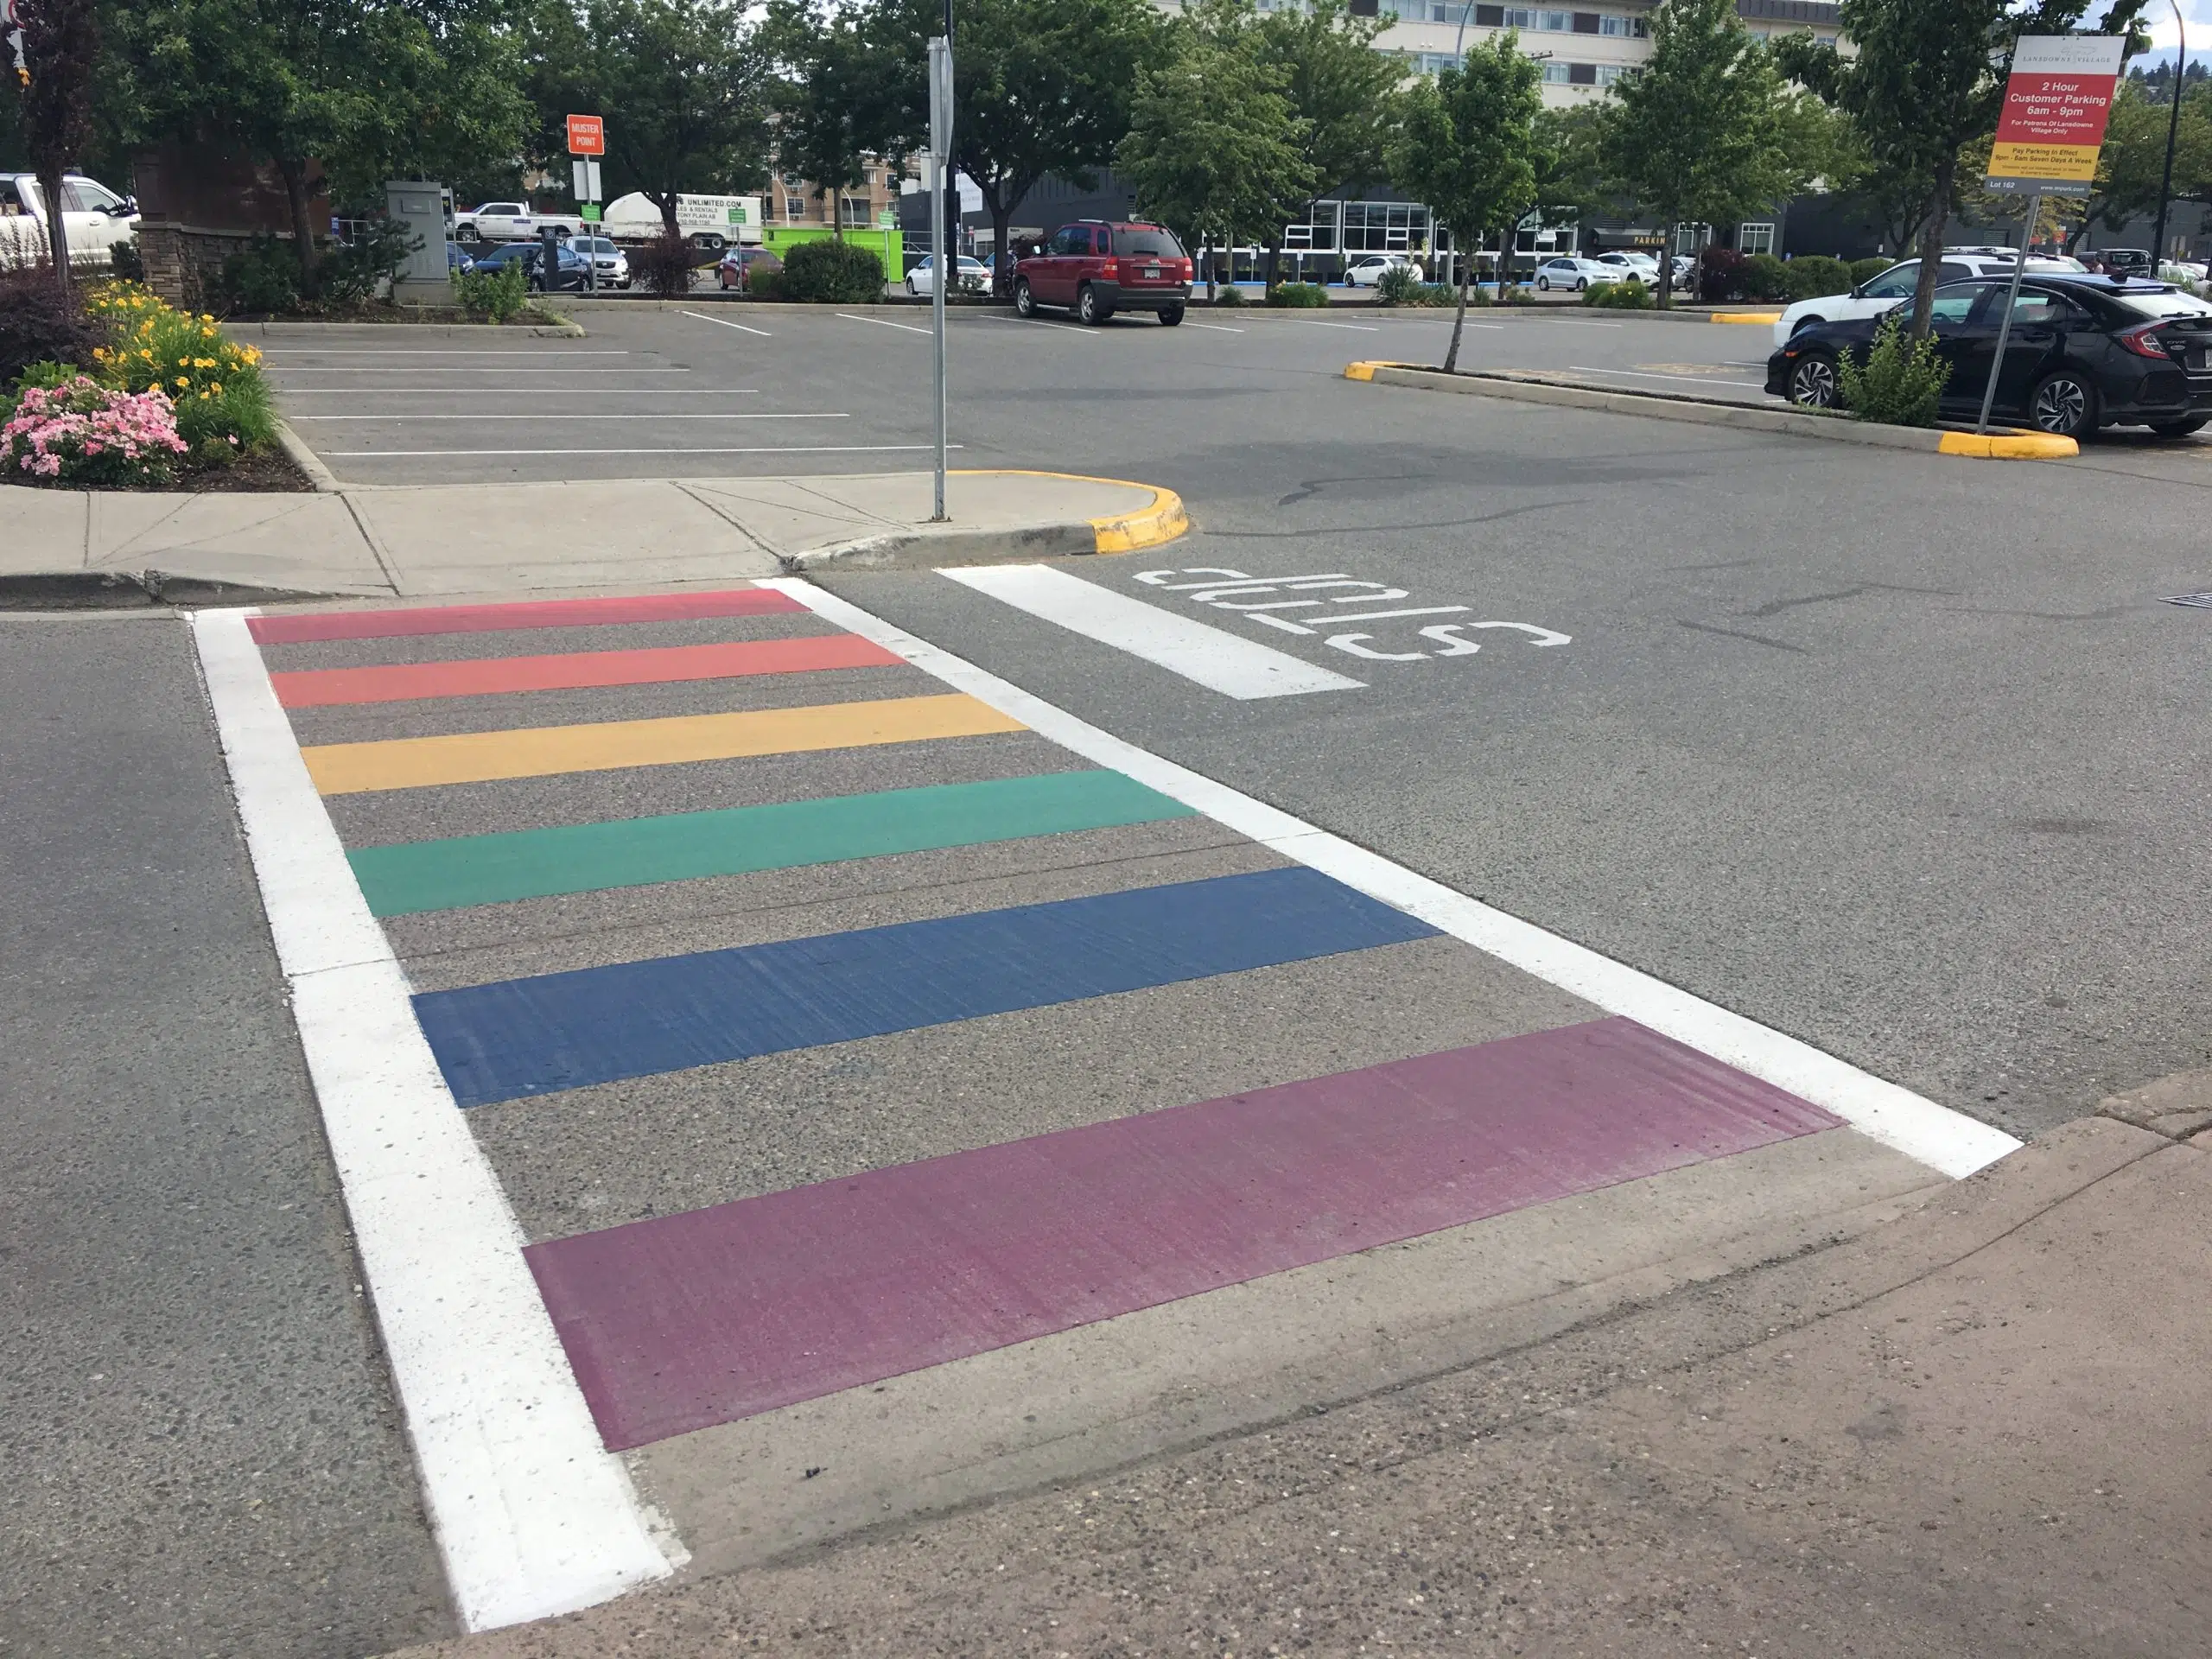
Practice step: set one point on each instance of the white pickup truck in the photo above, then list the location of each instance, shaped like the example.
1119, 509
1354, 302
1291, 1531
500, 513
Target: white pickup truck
511, 221
93, 217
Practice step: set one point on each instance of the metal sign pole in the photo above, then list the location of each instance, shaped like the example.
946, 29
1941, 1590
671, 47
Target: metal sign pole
2011, 300
942, 260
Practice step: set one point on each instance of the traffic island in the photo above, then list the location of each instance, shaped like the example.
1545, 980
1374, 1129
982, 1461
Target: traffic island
1526, 386
108, 547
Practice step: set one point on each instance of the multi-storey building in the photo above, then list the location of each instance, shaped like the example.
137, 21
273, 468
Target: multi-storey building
791, 201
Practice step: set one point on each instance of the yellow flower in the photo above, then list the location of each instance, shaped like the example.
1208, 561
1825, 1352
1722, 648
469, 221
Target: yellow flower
215, 386
181, 381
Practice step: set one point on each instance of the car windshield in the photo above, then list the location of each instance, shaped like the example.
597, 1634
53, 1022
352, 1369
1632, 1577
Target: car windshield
2166, 303
1146, 242
592, 245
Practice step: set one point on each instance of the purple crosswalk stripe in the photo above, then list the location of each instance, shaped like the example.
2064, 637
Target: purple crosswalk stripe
685, 1321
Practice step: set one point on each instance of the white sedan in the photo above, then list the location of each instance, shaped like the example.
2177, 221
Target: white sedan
1878, 294
1568, 271
972, 276
1368, 271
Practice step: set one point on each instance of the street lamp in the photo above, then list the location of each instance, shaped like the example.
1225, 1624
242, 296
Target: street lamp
2173, 132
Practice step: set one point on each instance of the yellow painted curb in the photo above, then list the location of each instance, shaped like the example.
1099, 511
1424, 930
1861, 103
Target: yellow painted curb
1161, 521
1745, 317
2017, 446
1366, 371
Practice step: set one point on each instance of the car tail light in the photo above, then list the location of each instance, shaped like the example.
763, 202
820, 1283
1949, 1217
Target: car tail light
1109, 268
2143, 341
1183, 268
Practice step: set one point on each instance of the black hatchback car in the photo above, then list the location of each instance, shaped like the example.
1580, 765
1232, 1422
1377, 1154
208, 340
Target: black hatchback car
2085, 352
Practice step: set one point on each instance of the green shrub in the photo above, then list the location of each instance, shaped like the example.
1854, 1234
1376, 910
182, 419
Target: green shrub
357, 270
768, 284
1228, 294
1629, 296
216, 384
1901, 382
1765, 277
124, 261
39, 322
491, 295
830, 272
1866, 270
263, 276
1297, 296
1398, 284
1445, 293
1816, 274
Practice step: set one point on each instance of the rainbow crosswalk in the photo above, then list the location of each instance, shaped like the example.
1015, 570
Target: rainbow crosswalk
823, 1024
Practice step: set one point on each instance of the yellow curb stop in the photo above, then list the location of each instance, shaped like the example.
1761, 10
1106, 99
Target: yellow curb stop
1161, 520
1746, 316
2007, 446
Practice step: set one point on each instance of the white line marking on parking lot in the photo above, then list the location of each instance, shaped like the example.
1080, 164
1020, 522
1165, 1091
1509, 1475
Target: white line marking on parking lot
1574, 322
724, 321
442, 393
532, 1515
1219, 661
702, 317
670, 416
432, 368
1218, 327
800, 449
1315, 322
882, 323
412, 351
1040, 322
1949, 1141
1640, 374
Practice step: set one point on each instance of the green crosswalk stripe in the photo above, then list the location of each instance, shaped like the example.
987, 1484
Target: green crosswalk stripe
423, 875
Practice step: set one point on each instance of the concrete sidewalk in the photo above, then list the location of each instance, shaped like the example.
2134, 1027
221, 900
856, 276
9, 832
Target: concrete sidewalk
1980, 1430
430, 539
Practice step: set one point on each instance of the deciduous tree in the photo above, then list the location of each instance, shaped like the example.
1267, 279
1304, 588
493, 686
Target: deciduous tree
1465, 148
61, 43
1214, 149
1701, 132
1342, 90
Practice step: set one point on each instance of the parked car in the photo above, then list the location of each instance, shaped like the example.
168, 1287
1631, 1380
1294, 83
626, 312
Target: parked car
2084, 352
610, 263
1368, 269
973, 279
1571, 271
511, 221
93, 219
1876, 295
1096, 267
740, 265
456, 260
568, 276
1631, 263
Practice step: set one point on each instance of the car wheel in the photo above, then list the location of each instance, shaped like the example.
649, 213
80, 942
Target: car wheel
1544, 284
2063, 404
1811, 381
1173, 314
1024, 302
1087, 307
1581, 284
2179, 429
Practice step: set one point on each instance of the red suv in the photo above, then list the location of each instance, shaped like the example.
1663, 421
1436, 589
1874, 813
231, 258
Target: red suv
1096, 267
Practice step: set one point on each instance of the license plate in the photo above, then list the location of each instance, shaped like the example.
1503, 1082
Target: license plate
1152, 273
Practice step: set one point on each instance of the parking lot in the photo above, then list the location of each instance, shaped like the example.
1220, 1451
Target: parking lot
728, 388
715, 389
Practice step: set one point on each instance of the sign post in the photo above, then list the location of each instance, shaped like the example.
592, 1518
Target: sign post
587, 143
941, 260
2057, 101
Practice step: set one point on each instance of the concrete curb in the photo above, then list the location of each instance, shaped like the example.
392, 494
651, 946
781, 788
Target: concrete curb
325, 481
2008, 446
562, 328
133, 590
1161, 520
714, 298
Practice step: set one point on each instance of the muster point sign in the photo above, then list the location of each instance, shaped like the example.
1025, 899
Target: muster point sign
587, 136
2056, 104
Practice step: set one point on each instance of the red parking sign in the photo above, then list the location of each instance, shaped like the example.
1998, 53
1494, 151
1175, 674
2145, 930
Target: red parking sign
587, 136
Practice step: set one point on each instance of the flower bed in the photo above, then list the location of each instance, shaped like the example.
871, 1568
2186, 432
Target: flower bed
222, 402
81, 432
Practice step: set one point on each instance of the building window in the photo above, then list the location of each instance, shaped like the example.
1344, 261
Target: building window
794, 206
1688, 238
1582, 75
1384, 226
1315, 234
1557, 74
1611, 75
1633, 28
854, 213
1755, 238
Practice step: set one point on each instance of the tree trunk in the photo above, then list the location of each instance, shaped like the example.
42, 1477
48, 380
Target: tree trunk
1274, 262
667, 206
1667, 268
1931, 249
57, 232
1459, 322
837, 214
295, 175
